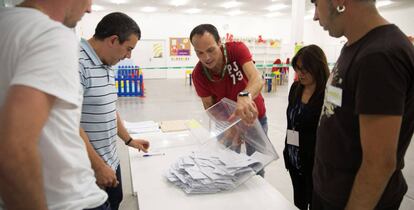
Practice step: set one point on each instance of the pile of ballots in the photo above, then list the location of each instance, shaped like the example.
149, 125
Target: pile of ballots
214, 171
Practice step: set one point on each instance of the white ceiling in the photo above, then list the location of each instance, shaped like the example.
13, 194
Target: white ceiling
214, 7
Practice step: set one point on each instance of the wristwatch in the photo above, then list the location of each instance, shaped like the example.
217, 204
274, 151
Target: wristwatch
245, 93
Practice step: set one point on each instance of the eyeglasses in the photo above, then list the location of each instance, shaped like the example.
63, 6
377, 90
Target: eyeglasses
300, 69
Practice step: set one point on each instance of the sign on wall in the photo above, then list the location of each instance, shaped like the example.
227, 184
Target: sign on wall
180, 47
157, 50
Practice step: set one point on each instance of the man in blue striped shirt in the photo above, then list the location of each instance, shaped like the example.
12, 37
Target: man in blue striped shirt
115, 37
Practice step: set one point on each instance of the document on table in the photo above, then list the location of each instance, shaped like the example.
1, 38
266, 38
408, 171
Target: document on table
211, 172
141, 127
173, 125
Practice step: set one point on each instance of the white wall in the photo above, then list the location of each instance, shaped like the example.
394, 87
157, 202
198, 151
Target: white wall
164, 26
403, 18
314, 34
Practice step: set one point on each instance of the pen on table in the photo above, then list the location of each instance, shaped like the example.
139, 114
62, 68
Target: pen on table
153, 154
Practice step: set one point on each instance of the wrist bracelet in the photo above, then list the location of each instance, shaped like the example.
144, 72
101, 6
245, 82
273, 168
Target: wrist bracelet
129, 141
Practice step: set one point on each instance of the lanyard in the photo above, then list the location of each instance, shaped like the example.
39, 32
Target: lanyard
294, 113
205, 70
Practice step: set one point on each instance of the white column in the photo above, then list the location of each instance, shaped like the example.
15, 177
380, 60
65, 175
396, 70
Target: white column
298, 19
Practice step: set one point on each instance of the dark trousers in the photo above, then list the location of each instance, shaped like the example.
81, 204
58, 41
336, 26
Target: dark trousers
320, 204
104, 206
302, 189
115, 193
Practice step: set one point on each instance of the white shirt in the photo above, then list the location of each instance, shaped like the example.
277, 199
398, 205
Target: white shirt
40, 53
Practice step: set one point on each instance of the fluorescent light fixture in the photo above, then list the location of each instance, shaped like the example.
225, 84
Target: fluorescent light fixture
273, 14
148, 9
235, 12
276, 7
231, 4
193, 11
97, 8
383, 3
178, 2
119, 1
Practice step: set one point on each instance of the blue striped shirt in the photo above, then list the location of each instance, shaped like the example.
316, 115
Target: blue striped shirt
99, 104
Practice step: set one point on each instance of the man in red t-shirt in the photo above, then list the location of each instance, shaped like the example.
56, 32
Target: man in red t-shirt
227, 70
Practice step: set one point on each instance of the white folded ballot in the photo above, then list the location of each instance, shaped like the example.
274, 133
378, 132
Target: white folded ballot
212, 172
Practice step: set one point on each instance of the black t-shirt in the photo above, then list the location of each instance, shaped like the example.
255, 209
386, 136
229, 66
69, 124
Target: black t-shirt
375, 75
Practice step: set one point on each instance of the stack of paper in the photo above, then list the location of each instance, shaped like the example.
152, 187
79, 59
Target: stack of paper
212, 172
141, 127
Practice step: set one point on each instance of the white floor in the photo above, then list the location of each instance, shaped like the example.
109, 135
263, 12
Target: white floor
172, 99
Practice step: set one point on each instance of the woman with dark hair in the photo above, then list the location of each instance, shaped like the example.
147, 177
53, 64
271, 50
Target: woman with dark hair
305, 104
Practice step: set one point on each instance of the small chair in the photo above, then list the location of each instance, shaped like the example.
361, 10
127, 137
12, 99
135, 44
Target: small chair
188, 75
277, 79
286, 70
276, 68
269, 82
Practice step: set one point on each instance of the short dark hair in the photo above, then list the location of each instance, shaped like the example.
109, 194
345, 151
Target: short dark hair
203, 28
119, 24
313, 61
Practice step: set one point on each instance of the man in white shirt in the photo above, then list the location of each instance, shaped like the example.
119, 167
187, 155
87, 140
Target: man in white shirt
43, 160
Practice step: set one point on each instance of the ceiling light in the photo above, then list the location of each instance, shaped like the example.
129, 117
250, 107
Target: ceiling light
119, 1
235, 12
273, 14
275, 7
193, 11
383, 3
178, 2
148, 9
231, 4
97, 8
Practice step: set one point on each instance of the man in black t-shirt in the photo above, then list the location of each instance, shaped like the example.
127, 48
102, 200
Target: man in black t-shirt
367, 120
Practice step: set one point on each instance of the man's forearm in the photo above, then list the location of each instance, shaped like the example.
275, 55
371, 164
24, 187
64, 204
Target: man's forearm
254, 86
369, 184
122, 131
22, 117
21, 182
379, 143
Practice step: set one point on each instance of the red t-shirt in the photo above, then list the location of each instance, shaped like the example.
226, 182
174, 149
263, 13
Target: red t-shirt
234, 80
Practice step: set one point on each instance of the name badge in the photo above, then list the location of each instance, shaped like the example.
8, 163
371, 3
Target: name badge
293, 137
334, 95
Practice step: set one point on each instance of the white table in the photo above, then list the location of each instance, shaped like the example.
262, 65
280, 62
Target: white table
154, 192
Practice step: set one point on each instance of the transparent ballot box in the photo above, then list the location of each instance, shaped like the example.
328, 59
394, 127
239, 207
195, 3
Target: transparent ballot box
228, 153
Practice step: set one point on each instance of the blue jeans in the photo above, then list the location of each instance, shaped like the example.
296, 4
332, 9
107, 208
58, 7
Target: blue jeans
250, 150
263, 122
115, 193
